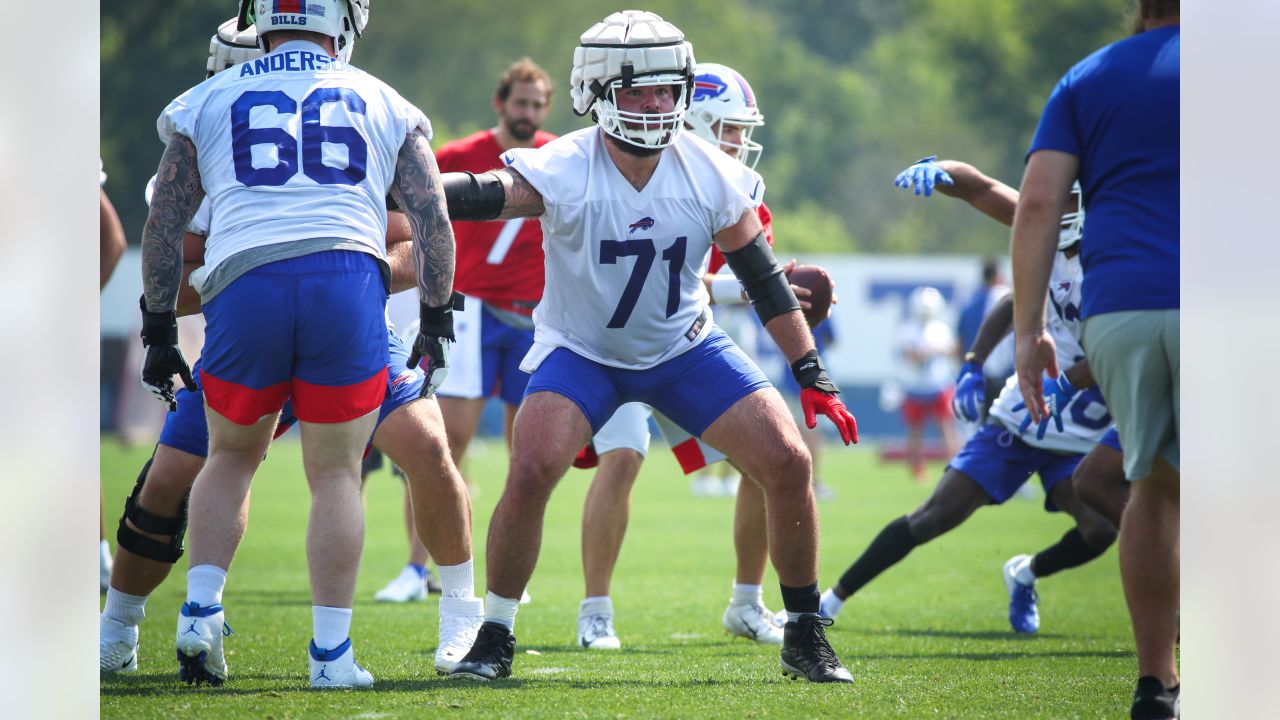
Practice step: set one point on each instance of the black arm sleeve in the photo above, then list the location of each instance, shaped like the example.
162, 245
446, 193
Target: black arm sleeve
761, 276
473, 197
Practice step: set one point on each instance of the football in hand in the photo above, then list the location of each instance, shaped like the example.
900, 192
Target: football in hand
816, 281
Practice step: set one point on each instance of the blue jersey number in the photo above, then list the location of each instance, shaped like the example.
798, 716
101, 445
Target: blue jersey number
644, 253
314, 136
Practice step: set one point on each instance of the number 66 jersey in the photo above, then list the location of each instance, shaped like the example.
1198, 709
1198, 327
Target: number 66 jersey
294, 145
624, 266
1086, 418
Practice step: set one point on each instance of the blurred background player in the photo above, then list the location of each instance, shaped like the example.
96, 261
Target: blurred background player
926, 345
724, 112
500, 273
324, 247
151, 530
111, 243
1112, 124
1005, 451
613, 329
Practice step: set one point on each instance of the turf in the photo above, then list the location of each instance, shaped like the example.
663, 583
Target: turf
928, 639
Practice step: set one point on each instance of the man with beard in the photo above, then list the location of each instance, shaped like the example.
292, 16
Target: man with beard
629, 209
500, 272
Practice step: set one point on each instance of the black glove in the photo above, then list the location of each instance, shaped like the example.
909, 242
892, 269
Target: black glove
435, 332
163, 359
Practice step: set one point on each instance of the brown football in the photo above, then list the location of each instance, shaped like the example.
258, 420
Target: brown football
815, 279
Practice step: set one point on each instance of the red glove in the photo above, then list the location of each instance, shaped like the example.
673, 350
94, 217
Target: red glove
819, 395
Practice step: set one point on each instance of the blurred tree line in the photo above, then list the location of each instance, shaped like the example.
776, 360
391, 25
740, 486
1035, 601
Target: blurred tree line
852, 91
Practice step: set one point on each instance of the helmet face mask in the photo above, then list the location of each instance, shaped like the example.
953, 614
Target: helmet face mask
646, 130
342, 20
626, 50
1071, 227
722, 98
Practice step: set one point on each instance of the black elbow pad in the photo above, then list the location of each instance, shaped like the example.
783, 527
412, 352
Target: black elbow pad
761, 276
473, 197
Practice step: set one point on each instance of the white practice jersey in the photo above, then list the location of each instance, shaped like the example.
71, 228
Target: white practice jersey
293, 146
623, 267
935, 342
1086, 419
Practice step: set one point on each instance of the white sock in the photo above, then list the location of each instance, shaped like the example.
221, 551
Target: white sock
744, 594
830, 602
104, 554
501, 610
330, 626
598, 605
458, 581
1023, 574
124, 608
205, 584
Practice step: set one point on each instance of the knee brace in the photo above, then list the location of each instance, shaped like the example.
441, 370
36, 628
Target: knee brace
147, 521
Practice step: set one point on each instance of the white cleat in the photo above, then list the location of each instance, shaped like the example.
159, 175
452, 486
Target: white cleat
337, 668
406, 587
117, 646
200, 633
460, 620
753, 621
595, 632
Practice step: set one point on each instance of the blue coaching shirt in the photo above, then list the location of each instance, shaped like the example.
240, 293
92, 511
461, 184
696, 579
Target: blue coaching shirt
1117, 111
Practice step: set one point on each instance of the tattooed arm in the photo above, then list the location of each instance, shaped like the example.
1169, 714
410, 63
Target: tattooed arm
417, 190
522, 199
174, 202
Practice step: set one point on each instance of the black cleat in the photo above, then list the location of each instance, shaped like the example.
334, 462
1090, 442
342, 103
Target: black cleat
807, 654
1153, 701
490, 656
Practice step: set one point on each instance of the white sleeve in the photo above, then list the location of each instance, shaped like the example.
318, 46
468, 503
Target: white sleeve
179, 118
742, 190
556, 173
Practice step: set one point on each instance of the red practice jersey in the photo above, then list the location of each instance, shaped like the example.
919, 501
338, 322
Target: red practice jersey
499, 262
766, 219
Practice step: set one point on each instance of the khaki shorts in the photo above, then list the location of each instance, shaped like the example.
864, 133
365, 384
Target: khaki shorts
1134, 356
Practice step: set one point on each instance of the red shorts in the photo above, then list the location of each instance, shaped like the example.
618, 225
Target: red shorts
917, 409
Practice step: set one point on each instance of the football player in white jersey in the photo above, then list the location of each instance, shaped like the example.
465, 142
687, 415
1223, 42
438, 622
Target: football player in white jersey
629, 209
723, 112
1003, 454
296, 151
409, 429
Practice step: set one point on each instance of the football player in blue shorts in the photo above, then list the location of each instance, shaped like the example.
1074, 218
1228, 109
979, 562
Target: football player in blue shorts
293, 287
624, 319
1004, 453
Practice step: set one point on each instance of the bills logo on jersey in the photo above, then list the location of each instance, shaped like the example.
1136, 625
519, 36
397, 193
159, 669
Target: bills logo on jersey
708, 87
1064, 286
643, 223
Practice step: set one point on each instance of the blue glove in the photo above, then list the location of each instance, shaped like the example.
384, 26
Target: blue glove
1057, 393
971, 392
924, 175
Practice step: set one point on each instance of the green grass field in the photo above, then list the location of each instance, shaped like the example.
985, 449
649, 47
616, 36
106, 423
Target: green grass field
928, 639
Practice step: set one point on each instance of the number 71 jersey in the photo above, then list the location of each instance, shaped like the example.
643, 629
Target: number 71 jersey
294, 145
624, 266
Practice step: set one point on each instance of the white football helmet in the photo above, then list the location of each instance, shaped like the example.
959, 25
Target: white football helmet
629, 49
926, 303
722, 96
342, 20
231, 46
1071, 229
